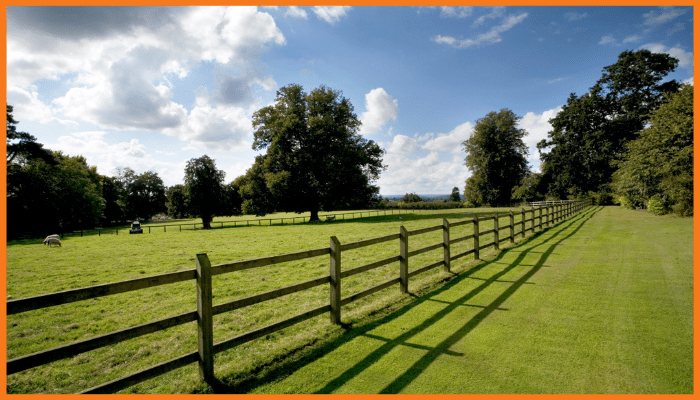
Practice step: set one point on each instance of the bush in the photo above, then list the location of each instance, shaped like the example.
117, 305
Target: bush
601, 199
656, 206
625, 202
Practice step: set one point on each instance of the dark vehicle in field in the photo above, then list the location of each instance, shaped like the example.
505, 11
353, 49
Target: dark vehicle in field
136, 227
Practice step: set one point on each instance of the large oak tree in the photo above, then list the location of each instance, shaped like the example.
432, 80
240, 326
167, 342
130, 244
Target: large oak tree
315, 158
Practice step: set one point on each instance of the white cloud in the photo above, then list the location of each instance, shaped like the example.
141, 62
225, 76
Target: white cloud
676, 28
666, 14
555, 80
450, 142
456, 12
331, 14
537, 127
632, 39
496, 12
490, 37
685, 58
572, 16
107, 157
430, 174
295, 12
123, 78
607, 40
381, 108
402, 145
28, 106
689, 81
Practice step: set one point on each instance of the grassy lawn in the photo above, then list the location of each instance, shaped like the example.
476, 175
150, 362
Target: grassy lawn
601, 303
576, 309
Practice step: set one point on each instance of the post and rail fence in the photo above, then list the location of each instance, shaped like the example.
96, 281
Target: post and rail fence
204, 272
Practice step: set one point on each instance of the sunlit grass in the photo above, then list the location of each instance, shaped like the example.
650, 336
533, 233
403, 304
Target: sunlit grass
35, 269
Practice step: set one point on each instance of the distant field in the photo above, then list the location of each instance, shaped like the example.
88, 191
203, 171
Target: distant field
600, 279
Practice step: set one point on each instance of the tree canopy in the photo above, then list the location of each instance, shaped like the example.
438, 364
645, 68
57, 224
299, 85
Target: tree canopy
591, 131
659, 162
454, 196
497, 157
411, 198
314, 160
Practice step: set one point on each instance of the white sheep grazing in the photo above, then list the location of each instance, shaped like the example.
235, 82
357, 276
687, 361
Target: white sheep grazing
51, 236
52, 240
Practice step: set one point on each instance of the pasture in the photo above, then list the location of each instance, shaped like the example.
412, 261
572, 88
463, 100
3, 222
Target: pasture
34, 269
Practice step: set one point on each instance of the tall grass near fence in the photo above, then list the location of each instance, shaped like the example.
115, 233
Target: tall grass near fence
115, 311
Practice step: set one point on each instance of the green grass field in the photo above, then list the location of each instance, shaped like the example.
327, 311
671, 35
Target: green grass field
600, 303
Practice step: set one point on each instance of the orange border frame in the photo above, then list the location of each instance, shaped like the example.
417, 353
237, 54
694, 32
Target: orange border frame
3, 168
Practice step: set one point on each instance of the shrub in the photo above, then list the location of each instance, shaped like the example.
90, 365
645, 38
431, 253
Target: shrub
625, 202
656, 206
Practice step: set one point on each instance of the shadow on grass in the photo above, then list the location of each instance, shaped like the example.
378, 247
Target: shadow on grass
282, 369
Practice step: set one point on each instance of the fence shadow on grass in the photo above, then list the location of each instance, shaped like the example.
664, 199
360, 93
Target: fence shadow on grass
283, 368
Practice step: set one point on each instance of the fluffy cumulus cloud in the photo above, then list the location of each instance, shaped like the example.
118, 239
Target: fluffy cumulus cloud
402, 145
490, 37
428, 174
685, 58
108, 157
449, 142
295, 12
123, 61
380, 109
331, 14
537, 127
28, 106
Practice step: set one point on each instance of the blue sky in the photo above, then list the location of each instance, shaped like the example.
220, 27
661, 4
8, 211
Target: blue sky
151, 88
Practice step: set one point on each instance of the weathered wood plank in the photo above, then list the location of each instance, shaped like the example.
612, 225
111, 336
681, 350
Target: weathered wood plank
265, 261
364, 293
486, 245
247, 337
403, 254
272, 294
335, 280
143, 375
91, 292
461, 239
425, 268
368, 267
466, 253
205, 320
425, 249
72, 349
425, 230
368, 242
460, 223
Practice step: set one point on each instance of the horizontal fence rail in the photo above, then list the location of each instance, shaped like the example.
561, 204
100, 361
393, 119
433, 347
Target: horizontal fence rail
530, 220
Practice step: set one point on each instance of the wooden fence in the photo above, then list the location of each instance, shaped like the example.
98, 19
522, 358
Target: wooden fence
204, 272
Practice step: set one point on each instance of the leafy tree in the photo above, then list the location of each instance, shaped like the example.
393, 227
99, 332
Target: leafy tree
177, 201
145, 195
592, 130
204, 184
659, 163
115, 207
411, 198
496, 155
455, 195
315, 158
23, 146
530, 189
232, 200
42, 197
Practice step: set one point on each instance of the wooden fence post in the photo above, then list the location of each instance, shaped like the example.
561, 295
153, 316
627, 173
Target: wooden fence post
335, 281
446, 243
403, 263
495, 230
512, 227
540, 208
205, 320
476, 237
522, 227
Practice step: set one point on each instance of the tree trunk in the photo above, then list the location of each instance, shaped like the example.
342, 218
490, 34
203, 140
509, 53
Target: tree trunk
314, 216
206, 222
